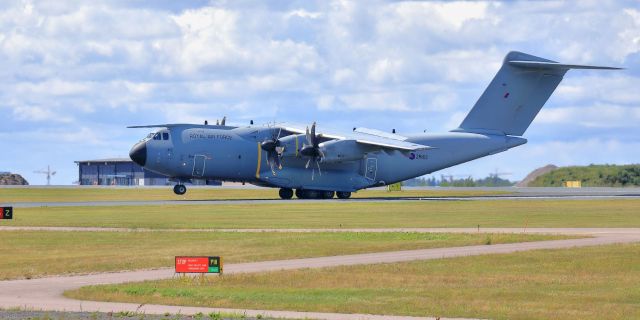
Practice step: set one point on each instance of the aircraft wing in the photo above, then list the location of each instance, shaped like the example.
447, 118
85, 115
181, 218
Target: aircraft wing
369, 137
173, 125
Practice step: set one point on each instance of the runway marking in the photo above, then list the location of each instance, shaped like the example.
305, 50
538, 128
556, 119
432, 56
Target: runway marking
46, 293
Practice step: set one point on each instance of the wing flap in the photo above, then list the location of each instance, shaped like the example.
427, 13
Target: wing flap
394, 144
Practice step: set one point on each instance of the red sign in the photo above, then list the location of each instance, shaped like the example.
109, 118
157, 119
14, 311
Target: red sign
192, 264
198, 265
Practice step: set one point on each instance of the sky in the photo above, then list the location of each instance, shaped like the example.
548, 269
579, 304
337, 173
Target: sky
74, 74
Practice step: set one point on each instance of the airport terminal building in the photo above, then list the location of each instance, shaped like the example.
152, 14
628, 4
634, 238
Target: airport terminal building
123, 172
117, 171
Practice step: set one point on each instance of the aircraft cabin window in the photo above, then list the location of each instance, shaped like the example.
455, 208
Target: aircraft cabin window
165, 136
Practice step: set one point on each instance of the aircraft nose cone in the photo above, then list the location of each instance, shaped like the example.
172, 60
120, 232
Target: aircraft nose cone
139, 153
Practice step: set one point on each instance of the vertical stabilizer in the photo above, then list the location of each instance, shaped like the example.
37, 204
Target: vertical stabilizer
516, 94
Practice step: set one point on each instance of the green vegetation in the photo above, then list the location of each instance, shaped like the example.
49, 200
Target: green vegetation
585, 283
591, 176
28, 254
493, 180
79, 194
497, 213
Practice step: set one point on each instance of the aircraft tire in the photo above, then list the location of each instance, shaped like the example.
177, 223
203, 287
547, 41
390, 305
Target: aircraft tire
285, 193
343, 195
312, 194
179, 189
327, 194
299, 194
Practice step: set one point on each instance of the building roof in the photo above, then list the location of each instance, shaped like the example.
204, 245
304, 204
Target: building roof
105, 160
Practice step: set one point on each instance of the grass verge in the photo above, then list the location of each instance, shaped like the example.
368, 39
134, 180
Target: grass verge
583, 283
79, 194
28, 254
495, 213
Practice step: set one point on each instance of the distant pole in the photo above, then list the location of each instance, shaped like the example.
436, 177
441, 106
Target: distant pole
48, 172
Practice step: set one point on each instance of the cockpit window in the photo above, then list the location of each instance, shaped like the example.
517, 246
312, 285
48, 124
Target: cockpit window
165, 136
157, 136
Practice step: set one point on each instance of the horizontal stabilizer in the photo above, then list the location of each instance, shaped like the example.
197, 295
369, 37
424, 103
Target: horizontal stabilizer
555, 65
516, 94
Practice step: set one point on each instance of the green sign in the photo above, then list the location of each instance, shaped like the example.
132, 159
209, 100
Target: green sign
215, 264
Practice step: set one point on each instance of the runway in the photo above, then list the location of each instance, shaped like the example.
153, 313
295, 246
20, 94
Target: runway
46, 293
510, 194
279, 201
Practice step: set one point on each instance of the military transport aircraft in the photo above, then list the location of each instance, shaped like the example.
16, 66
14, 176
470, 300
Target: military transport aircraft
319, 165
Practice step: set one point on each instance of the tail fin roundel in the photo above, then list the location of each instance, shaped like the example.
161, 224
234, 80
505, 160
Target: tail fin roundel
516, 94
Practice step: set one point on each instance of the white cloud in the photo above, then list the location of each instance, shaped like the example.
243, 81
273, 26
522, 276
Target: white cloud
303, 14
39, 114
598, 116
73, 67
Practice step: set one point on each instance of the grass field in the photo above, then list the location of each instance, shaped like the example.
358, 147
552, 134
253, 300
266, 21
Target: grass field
26, 254
586, 283
496, 213
10, 195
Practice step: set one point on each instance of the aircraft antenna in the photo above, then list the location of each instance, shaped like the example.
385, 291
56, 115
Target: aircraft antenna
48, 172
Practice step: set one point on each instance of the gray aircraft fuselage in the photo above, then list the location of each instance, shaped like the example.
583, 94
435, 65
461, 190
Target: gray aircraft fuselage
234, 154
357, 160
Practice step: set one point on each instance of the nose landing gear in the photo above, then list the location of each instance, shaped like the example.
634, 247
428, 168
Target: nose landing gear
180, 189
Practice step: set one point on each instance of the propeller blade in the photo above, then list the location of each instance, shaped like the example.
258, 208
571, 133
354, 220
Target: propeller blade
308, 136
314, 140
271, 162
306, 166
277, 161
318, 163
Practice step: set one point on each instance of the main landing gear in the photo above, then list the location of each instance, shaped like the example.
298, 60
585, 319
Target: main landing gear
343, 195
180, 189
286, 193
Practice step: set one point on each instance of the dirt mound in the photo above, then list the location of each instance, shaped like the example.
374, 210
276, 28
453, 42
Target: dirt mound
534, 174
12, 179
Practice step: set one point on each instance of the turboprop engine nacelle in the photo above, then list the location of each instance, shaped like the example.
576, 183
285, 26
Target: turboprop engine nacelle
341, 151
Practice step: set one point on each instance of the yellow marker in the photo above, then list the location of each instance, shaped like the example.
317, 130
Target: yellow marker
259, 161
